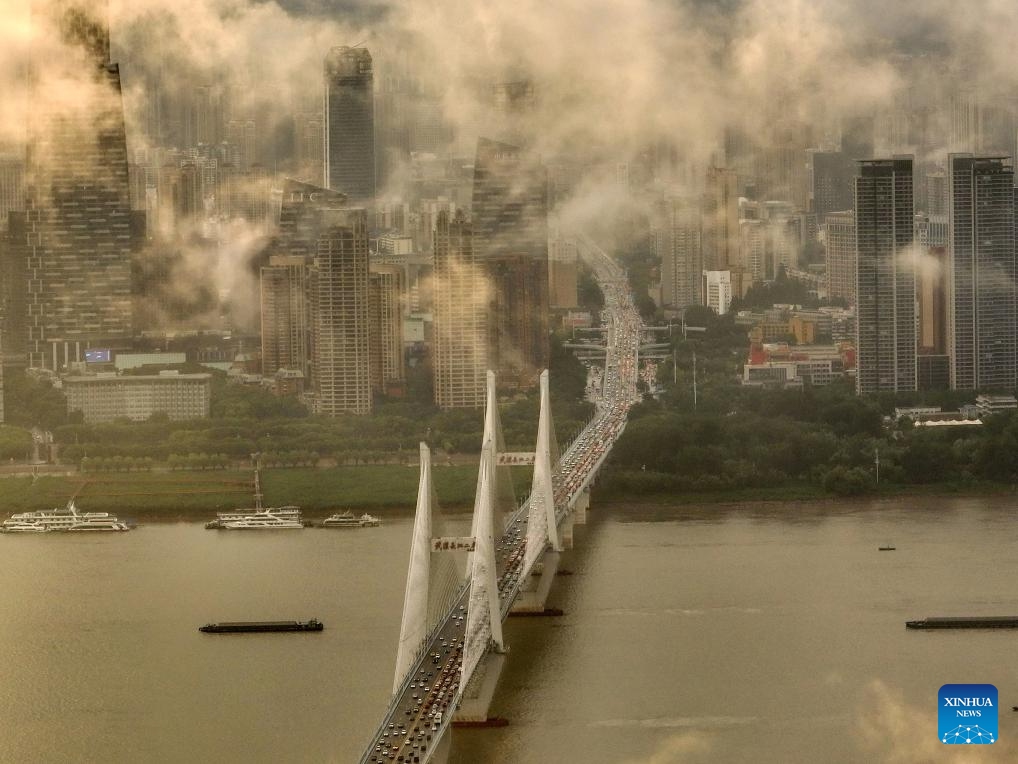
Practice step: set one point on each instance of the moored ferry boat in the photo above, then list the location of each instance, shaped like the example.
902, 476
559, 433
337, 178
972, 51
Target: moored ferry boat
349, 520
257, 517
286, 513
68, 520
18, 526
265, 519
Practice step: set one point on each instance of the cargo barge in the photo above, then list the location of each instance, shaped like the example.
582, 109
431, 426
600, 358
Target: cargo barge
247, 627
966, 622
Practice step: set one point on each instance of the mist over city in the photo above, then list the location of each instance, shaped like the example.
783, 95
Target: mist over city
591, 381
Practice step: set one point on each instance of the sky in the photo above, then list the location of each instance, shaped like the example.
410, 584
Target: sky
611, 77
608, 73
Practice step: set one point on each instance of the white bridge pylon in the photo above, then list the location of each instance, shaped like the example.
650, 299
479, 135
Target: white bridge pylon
542, 526
433, 579
484, 645
436, 578
484, 616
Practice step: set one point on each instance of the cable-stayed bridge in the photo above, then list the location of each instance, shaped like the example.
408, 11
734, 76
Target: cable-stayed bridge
460, 589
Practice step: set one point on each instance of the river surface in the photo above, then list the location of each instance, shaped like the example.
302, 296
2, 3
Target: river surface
743, 633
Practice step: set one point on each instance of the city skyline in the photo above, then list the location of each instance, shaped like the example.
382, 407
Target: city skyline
763, 192
737, 275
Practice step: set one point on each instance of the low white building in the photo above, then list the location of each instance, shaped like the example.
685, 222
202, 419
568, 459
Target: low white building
717, 290
106, 397
994, 404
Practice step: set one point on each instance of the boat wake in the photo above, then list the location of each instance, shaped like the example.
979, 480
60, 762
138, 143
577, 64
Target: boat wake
680, 722
679, 611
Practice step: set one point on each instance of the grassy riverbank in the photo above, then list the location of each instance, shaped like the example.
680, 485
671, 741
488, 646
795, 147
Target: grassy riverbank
387, 488
197, 495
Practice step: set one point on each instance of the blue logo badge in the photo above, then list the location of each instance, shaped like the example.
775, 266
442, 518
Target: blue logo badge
967, 714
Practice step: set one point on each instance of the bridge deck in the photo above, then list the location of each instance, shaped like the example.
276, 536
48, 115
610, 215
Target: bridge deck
421, 710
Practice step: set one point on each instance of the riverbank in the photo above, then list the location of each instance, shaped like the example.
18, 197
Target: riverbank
802, 492
199, 495
380, 489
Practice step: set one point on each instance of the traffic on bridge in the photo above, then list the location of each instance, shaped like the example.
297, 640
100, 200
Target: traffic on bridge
428, 696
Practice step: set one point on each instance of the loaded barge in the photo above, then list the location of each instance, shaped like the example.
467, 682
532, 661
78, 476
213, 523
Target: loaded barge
246, 627
966, 622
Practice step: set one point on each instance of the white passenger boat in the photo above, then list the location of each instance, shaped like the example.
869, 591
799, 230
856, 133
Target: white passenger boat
257, 517
287, 513
17, 526
266, 519
68, 520
348, 520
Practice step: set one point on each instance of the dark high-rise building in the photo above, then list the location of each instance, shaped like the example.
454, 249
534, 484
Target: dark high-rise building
513, 103
857, 137
981, 256
78, 233
510, 220
350, 124
830, 175
13, 281
885, 276
300, 217
12, 179
340, 344
386, 289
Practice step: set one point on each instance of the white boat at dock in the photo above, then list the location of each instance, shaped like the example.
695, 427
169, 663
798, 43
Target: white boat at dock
66, 520
349, 520
258, 517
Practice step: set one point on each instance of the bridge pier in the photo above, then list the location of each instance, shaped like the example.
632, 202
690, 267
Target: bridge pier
476, 699
534, 592
566, 531
580, 508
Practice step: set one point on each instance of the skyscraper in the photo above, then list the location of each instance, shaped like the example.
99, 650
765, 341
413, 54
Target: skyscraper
12, 179
675, 238
721, 239
78, 235
340, 360
830, 182
386, 290
563, 272
285, 314
885, 277
350, 124
839, 243
510, 219
309, 127
460, 355
981, 241
286, 284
